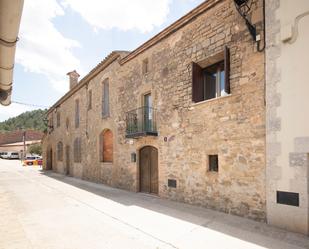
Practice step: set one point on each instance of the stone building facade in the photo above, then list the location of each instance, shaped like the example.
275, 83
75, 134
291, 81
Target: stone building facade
287, 133
143, 121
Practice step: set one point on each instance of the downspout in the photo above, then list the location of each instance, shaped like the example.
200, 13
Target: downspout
10, 15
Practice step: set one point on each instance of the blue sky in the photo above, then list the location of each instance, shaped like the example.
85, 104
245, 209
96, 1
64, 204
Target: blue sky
57, 36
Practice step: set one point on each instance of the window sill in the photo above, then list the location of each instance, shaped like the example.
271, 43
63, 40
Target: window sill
212, 173
107, 163
211, 100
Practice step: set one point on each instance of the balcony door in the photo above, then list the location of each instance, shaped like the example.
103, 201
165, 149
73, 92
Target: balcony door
148, 165
148, 112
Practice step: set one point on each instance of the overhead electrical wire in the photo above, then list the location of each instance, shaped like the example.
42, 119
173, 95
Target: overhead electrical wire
27, 104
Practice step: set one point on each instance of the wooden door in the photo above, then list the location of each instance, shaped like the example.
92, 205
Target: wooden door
67, 159
50, 159
149, 170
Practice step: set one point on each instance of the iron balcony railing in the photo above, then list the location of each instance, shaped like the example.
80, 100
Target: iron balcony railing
141, 122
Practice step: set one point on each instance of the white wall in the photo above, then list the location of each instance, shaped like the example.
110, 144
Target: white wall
287, 58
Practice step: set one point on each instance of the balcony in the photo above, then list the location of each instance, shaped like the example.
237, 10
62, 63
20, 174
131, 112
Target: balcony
141, 122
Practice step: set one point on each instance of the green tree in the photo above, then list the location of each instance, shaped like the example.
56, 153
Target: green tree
35, 149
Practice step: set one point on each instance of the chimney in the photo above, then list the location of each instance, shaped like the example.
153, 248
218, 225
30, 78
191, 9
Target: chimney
73, 78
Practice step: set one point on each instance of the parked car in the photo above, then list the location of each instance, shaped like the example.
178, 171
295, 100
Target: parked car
4, 155
32, 160
9, 155
13, 155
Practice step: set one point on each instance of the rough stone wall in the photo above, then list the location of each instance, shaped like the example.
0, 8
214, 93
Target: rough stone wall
232, 127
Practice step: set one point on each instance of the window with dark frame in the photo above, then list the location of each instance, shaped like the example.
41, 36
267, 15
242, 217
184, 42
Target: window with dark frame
213, 162
89, 100
105, 99
211, 81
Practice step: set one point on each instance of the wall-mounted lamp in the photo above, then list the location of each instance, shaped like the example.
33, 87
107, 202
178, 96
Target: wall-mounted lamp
133, 157
241, 2
244, 7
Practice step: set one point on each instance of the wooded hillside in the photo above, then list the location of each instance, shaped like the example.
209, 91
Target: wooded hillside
33, 120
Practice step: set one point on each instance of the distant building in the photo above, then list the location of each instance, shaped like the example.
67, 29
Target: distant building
14, 141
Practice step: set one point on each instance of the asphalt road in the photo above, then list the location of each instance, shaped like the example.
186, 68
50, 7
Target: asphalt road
49, 211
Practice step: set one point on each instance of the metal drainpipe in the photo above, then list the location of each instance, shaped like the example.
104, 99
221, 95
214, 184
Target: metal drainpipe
10, 15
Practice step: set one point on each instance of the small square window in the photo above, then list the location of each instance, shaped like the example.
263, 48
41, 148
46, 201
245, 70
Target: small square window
213, 163
172, 183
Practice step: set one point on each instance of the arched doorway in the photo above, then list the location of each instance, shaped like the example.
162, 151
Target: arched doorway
148, 169
49, 161
67, 160
106, 146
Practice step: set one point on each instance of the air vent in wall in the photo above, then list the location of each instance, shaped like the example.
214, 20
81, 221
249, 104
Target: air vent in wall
288, 198
172, 183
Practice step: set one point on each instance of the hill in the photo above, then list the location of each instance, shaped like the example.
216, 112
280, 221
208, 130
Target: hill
33, 120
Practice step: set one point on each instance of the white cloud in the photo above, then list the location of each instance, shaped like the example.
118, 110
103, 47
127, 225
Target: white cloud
42, 48
13, 110
143, 15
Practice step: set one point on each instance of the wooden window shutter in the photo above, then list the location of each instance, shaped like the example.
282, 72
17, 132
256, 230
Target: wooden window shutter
76, 113
101, 147
197, 83
227, 69
58, 119
105, 107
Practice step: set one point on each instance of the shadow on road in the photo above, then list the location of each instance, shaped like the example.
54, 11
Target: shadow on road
244, 229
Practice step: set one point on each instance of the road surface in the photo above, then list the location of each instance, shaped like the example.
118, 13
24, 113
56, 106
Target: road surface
45, 210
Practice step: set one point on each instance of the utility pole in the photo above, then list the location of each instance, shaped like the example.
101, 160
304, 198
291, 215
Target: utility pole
24, 141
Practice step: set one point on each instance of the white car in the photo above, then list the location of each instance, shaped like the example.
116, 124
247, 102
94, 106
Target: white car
14, 155
4, 155
9, 155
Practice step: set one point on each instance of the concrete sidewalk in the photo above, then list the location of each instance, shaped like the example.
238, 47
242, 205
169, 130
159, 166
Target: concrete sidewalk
50, 211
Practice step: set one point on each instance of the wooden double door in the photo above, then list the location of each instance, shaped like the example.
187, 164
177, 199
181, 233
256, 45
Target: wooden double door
148, 164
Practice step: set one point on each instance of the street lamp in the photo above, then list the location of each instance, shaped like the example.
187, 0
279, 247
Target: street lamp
243, 7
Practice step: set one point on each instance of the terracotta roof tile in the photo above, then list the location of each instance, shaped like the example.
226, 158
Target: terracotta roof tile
17, 136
